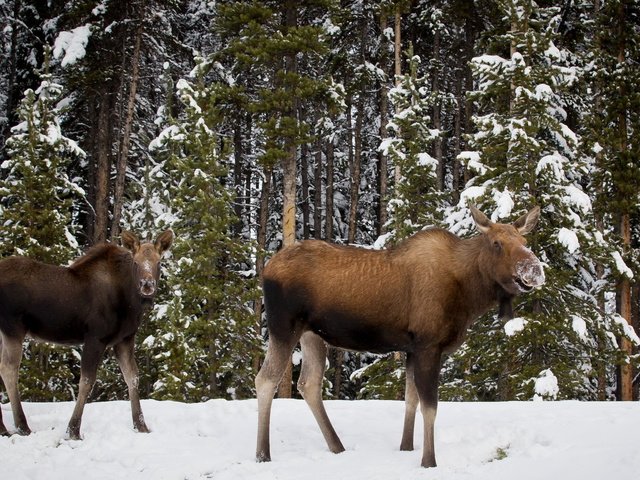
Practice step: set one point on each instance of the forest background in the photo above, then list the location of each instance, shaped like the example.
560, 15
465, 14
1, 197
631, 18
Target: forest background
245, 125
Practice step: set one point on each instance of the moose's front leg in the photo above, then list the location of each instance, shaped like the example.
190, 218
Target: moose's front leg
426, 375
92, 352
126, 360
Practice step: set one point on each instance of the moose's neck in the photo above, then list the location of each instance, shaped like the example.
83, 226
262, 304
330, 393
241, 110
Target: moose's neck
480, 292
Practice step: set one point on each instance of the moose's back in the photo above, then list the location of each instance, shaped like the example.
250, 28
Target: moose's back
60, 304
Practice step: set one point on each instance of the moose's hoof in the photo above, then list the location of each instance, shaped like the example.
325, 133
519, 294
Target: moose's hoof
428, 464
23, 431
262, 457
73, 435
142, 429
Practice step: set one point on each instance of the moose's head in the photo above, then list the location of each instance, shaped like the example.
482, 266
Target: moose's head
510, 263
146, 260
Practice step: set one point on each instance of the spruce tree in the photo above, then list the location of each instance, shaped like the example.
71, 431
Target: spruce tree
209, 342
38, 215
526, 155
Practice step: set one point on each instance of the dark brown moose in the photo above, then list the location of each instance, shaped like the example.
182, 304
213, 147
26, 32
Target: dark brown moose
418, 297
96, 302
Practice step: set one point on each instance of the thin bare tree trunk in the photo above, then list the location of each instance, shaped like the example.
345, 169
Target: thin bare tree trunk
289, 194
356, 172
437, 115
624, 287
102, 170
238, 184
261, 238
125, 142
304, 166
457, 126
317, 194
624, 292
383, 174
398, 69
289, 238
328, 202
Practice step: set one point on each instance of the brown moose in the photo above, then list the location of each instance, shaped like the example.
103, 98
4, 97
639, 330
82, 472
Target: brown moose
96, 302
419, 297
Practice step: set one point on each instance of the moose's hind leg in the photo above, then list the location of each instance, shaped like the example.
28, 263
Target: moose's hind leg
10, 356
314, 355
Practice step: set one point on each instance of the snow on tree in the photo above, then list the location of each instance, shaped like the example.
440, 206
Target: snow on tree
38, 214
525, 154
209, 338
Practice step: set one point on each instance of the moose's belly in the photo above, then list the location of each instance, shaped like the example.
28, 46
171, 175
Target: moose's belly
353, 332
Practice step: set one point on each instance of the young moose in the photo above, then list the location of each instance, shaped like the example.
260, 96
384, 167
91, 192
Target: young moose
419, 297
96, 302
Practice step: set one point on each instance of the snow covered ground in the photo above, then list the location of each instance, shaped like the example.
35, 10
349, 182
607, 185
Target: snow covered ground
216, 439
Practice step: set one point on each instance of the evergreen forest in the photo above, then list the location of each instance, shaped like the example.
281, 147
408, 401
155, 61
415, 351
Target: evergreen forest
247, 125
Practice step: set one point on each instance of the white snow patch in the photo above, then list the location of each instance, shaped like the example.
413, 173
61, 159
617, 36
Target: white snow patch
296, 357
215, 439
381, 241
568, 239
504, 205
72, 44
546, 386
580, 327
575, 196
629, 332
514, 326
472, 161
621, 266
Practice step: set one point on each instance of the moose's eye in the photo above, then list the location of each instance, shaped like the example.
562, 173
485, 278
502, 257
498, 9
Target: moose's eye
497, 246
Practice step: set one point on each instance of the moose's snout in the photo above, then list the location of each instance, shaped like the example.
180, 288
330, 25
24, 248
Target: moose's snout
147, 287
530, 273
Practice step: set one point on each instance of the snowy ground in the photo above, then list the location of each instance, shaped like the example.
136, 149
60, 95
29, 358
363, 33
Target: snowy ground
216, 439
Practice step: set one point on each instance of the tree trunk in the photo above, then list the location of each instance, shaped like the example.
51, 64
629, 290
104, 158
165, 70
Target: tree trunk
328, 202
261, 238
383, 173
356, 159
304, 166
317, 194
289, 186
238, 184
289, 238
12, 93
398, 70
437, 115
102, 158
457, 127
624, 287
125, 141
356, 172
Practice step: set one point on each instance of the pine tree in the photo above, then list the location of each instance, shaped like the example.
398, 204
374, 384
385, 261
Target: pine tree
210, 341
39, 218
416, 201
527, 155
612, 123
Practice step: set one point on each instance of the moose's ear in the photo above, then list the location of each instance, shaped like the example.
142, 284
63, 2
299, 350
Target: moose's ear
164, 241
482, 221
527, 222
130, 241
